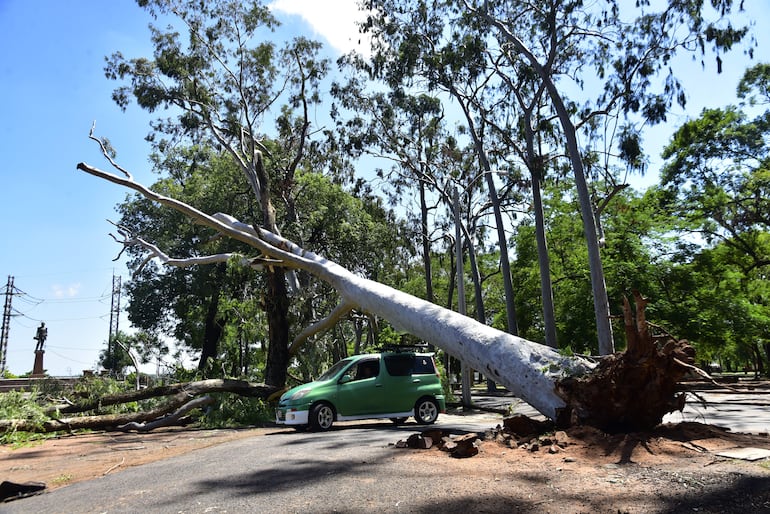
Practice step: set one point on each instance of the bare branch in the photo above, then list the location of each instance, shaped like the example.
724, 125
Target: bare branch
171, 419
270, 244
320, 326
106, 152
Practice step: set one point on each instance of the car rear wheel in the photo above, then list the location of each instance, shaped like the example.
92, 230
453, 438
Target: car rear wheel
321, 417
426, 411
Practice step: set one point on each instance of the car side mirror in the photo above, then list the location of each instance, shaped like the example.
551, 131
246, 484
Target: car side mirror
344, 379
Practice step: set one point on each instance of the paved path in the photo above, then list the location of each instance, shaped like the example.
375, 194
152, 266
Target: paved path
745, 409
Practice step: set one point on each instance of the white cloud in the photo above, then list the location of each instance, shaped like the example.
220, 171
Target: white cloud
334, 20
68, 291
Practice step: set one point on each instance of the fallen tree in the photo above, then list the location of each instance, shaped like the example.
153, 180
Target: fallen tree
182, 398
566, 389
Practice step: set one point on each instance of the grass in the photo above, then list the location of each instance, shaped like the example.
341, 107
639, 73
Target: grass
62, 479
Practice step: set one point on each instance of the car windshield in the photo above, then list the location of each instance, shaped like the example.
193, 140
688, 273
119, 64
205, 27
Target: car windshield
334, 370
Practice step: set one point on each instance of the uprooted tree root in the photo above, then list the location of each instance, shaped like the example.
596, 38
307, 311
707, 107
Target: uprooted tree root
632, 390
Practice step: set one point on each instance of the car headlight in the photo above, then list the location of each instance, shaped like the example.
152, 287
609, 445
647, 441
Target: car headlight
300, 394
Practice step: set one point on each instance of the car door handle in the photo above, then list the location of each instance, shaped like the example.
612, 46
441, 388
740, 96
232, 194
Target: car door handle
377, 385
415, 380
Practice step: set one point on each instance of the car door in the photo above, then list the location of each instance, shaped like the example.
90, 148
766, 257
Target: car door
403, 388
360, 390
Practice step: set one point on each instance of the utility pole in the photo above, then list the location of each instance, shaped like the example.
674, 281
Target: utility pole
6, 327
114, 316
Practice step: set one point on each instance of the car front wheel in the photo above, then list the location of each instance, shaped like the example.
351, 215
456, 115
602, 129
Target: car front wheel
425, 411
321, 417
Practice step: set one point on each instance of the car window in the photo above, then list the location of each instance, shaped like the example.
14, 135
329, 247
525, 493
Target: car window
399, 365
423, 365
334, 370
404, 364
367, 369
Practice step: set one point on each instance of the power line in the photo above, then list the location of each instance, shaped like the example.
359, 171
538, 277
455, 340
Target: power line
49, 320
88, 299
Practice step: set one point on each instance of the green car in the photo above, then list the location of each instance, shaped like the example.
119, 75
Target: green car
391, 384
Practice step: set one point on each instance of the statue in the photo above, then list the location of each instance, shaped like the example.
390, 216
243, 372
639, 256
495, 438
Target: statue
42, 335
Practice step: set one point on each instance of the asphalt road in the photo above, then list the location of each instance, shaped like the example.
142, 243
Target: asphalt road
745, 411
344, 470
282, 472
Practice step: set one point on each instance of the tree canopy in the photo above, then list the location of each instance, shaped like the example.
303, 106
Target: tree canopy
456, 92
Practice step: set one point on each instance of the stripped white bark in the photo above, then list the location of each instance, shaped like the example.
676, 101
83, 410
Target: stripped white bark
527, 369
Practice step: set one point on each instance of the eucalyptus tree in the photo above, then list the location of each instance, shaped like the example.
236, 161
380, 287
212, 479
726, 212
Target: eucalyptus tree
220, 89
569, 47
409, 54
626, 50
408, 132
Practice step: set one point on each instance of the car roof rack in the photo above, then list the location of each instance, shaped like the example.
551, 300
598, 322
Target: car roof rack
397, 348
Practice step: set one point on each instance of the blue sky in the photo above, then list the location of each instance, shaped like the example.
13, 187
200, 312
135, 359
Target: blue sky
55, 240
53, 224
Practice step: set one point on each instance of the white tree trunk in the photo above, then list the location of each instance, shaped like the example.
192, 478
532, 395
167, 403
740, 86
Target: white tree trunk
527, 369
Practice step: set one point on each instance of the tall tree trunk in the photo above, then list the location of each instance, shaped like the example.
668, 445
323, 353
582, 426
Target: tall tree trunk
502, 240
537, 171
481, 314
425, 237
505, 261
544, 264
212, 332
277, 309
598, 285
276, 295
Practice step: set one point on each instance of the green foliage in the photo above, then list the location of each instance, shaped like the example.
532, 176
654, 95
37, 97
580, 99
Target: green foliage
230, 410
755, 84
715, 186
446, 380
716, 182
92, 389
15, 405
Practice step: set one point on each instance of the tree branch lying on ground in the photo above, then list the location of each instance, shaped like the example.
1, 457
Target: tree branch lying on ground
183, 397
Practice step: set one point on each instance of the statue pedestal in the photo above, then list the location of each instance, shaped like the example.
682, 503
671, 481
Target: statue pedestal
37, 369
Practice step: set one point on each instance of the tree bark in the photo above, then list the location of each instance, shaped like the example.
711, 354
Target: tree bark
277, 309
212, 332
